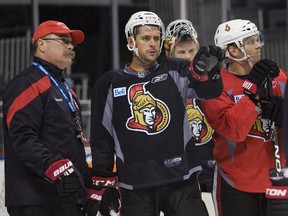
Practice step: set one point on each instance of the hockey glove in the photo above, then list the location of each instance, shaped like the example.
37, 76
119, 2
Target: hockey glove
91, 204
272, 108
110, 201
111, 197
277, 195
67, 180
205, 63
102, 183
255, 85
261, 70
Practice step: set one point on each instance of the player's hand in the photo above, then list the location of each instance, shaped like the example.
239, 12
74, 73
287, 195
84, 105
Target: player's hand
205, 63
272, 108
261, 70
104, 191
110, 201
91, 204
256, 85
67, 180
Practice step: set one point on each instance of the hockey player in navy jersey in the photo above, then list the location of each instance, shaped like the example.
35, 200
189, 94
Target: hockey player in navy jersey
138, 116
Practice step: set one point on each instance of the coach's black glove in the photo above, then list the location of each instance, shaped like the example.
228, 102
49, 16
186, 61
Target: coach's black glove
272, 108
67, 180
205, 63
255, 85
277, 195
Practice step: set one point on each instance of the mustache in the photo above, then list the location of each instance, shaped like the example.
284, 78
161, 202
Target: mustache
70, 53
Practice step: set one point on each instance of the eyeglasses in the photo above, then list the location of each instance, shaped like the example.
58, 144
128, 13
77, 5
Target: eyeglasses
63, 41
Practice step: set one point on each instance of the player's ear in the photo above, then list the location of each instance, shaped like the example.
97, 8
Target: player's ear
130, 43
233, 51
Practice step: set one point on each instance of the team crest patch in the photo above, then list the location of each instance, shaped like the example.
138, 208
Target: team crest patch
148, 114
201, 130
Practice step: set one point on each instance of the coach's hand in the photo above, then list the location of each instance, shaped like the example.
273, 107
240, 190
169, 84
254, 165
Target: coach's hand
67, 180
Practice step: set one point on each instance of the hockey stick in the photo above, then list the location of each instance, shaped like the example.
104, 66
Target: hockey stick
274, 135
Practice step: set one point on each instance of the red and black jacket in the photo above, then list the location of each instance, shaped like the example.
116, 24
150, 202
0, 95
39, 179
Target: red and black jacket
38, 127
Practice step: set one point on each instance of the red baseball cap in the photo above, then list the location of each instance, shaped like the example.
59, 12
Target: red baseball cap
56, 27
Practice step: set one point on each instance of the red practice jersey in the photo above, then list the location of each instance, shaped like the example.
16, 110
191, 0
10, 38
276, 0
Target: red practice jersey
243, 151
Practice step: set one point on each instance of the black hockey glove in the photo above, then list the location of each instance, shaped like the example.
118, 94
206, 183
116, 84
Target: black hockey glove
67, 180
95, 192
277, 195
110, 201
255, 85
91, 204
103, 193
205, 63
272, 108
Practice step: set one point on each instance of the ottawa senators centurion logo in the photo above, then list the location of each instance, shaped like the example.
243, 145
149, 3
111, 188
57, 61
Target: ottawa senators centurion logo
201, 130
148, 114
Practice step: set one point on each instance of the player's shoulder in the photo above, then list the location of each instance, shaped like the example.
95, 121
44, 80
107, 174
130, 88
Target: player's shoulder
108, 78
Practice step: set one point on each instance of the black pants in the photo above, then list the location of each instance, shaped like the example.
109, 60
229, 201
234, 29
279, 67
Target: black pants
230, 201
66, 209
176, 199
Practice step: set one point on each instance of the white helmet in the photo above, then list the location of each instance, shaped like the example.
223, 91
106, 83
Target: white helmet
234, 31
143, 18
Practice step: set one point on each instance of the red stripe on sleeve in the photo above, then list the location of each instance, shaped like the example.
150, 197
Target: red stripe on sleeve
27, 96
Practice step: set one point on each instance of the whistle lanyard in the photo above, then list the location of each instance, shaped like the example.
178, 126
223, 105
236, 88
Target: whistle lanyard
78, 125
69, 101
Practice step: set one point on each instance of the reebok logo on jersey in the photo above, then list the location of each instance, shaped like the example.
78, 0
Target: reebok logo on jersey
117, 92
58, 99
159, 78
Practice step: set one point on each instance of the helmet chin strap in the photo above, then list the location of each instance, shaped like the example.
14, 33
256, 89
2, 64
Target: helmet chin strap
245, 57
137, 52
